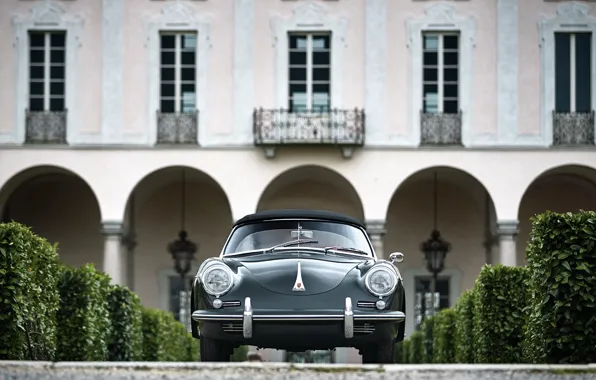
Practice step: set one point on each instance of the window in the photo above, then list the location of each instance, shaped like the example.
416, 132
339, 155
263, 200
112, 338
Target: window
423, 300
309, 72
573, 92
176, 290
47, 63
178, 72
440, 73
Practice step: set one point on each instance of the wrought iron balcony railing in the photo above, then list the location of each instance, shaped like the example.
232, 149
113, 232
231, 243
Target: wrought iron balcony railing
276, 127
573, 128
177, 127
45, 127
440, 128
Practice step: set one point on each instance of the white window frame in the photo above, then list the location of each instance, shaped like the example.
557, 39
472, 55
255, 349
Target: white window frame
46, 16
177, 68
47, 49
309, 67
570, 17
572, 73
440, 68
179, 17
442, 18
308, 17
163, 283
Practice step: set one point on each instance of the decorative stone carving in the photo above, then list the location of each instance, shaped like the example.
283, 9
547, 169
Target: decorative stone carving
440, 17
177, 128
309, 16
179, 16
440, 128
46, 127
45, 16
570, 17
574, 128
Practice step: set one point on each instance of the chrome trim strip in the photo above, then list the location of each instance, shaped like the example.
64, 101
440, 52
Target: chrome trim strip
389, 316
348, 319
247, 319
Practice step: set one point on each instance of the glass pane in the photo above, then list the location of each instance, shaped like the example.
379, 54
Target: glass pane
562, 72
297, 74
57, 56
57, 72
57, 104
168, 74
189, 42
431, 103
36, 104
583, 80
58, 40
321, 88
188, 74
168, 57
36, 88
37, 40
188, 57
36, 72
298, 102
167, 90
321, 42
321, 74
297, 42
320, 58
320, 102
430, 75
431, 43
37, 56
450, 58
167, 105
57, 88
431, 89
450, 42
168, 41
450, 75
450, 106
188, 102
430, 59
297, 89
450, 90
297, 58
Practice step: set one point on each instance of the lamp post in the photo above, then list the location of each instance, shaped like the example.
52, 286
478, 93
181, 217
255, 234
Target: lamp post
435, 249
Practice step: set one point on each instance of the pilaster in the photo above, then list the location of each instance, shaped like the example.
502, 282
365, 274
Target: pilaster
376, 232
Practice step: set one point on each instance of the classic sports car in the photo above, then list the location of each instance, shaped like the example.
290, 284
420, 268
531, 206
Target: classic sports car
298, 280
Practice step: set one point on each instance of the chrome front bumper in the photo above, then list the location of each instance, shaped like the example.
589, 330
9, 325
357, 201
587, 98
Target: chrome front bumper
348, 317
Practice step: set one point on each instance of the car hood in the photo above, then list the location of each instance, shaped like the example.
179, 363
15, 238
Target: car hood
318, 276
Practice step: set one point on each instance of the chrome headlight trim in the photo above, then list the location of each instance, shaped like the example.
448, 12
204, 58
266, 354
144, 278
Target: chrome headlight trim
378, 268
213, 266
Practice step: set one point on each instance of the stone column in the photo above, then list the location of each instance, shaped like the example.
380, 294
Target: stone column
376, 232
507, 231
112, 252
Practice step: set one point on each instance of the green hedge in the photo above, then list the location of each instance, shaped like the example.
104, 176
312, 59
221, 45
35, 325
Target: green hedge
405, 351
126, 335
416, 354
464, 328
443, 336
165, 339
83, 318
28, 294
499, 316
427, 332
561, 258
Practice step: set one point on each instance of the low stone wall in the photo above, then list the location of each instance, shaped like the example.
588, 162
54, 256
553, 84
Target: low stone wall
262, 371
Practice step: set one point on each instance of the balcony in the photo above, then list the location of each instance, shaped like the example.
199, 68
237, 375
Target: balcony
45, 127
440, 128
177, 128
573, 128
277, 127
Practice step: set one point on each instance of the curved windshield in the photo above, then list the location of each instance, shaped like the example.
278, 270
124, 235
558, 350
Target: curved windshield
263, 235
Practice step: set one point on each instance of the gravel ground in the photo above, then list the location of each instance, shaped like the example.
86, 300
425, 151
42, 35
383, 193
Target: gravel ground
278, 371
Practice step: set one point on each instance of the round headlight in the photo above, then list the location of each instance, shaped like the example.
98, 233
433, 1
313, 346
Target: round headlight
217, 280
381, 281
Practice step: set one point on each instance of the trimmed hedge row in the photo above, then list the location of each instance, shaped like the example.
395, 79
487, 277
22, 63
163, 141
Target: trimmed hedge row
544, 312
49, 311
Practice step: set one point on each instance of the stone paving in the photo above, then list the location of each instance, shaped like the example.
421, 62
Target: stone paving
279, 371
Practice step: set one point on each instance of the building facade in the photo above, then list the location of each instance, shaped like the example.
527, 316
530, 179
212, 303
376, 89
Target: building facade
124, 121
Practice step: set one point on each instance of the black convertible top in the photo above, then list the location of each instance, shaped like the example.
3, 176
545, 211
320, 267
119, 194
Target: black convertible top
299, 214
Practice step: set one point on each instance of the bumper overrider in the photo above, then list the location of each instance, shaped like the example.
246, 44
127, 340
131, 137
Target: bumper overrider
348, 316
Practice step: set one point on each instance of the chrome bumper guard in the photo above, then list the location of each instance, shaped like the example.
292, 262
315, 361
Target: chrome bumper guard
348, 316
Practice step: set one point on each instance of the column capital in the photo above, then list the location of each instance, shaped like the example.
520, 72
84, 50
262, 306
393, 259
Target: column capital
507, 228
375, 227
112, 228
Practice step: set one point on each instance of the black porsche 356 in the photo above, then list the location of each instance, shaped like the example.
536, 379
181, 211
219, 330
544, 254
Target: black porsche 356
298, 280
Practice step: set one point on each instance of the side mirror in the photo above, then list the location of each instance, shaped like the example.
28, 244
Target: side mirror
396, 257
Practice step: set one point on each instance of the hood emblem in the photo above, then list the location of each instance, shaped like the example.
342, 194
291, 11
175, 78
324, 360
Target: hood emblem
299, 284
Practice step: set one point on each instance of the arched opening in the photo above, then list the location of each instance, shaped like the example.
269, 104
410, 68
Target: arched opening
312, 187
566, 188
161, 204
465, 217
60, 206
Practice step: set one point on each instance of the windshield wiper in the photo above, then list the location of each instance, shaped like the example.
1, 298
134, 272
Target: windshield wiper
289, 243
347, 249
